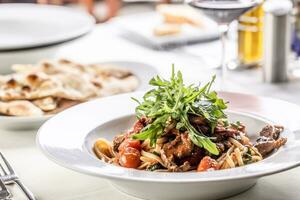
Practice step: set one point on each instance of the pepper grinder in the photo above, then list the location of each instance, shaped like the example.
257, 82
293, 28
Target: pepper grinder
277, 40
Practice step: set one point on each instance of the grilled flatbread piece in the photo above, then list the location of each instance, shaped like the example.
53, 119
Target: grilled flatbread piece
112, 86
19, 108
40, 85
63, 104
46, 104
49, 87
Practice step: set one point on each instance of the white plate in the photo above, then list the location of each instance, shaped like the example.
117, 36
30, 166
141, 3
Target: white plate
34, 25
141, 31
68, 137
26, 56
143, 72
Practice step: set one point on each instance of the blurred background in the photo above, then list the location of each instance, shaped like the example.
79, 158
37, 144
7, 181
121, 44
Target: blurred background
162, 32
101, 9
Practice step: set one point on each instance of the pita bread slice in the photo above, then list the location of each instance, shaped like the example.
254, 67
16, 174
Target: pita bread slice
20, 86
20, 108
112, 85
46, 104
50, 68
54, 86
40, 85
63, 104
23, 68
75, 87
106, 70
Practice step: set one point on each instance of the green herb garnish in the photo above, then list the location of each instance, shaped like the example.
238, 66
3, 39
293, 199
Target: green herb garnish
173, 101
154, 167
225, 122
237, 124
247, 157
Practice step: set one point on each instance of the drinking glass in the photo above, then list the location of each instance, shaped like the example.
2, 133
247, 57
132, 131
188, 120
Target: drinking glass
223, 12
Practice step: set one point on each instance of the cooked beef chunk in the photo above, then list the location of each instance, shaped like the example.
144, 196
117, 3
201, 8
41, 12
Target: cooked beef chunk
204, 129
139, 125
271, 131
266, 145
195, 157
117, 142
171, 165
180, 147
229, 131
197, 120
269, 139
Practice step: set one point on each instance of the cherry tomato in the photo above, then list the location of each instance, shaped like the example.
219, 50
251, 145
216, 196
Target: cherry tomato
130, 158
136, 144
207, 163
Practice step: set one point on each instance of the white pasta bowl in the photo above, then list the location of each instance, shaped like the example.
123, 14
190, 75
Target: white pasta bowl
68, 137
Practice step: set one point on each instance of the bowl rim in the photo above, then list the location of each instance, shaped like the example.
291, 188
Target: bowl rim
94, 167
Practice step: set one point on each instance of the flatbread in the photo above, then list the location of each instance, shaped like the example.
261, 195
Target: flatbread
68, 86
49, 87
46, 104
40, 85
112, 86
20, 86
20, 108
63, 104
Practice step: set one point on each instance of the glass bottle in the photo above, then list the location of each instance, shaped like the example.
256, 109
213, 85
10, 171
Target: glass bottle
250, 38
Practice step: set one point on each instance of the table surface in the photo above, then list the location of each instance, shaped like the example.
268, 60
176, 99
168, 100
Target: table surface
51, 182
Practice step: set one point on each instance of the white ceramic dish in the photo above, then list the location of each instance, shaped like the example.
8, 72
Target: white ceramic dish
143, 71
35, 25
67, 139
141, 31
26, 56
31, 32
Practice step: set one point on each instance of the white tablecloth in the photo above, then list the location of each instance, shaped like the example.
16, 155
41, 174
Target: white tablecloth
51, 182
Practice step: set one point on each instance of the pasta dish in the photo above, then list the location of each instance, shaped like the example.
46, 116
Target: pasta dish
183, 128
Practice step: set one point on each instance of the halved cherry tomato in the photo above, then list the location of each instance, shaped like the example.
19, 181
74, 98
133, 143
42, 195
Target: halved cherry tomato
207, 163
136, 144
130, 158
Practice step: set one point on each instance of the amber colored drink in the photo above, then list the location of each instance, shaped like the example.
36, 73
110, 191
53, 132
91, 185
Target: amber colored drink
250, 37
